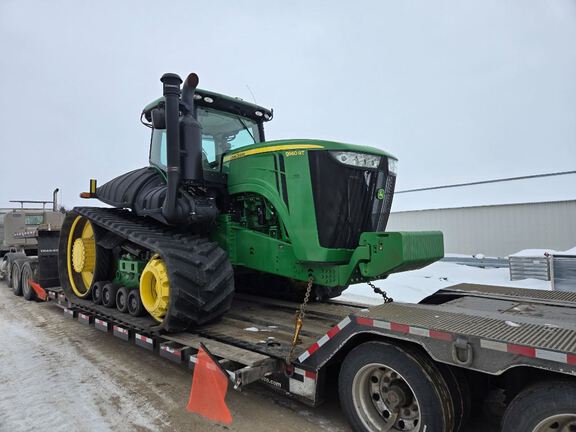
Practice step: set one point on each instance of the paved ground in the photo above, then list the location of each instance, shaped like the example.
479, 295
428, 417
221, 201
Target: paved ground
58, 375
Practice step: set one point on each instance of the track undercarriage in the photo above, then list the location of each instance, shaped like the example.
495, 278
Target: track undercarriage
201, 281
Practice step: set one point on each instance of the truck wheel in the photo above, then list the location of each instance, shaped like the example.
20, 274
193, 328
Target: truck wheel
387, 388
97, 291
109, 294
135, 306
544, 407
122, 299
29, 270
10, 258
17, 276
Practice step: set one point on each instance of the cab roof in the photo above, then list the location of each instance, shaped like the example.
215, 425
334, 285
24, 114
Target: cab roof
209, 99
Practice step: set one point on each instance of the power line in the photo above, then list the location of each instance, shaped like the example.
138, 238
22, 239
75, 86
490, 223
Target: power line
488, 181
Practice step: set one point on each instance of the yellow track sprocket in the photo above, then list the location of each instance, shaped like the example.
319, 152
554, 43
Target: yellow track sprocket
81, 256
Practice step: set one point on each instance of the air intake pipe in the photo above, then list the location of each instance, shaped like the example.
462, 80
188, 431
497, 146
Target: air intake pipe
191, 134
171, 89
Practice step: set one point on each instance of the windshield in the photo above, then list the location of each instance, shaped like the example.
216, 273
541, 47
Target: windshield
221, 132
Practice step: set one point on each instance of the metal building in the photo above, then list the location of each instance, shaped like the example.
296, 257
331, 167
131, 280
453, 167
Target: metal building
496, 230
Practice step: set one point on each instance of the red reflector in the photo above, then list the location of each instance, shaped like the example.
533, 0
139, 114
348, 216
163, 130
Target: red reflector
333, 331
400, 328
522, 350
365, 321
208, 392
311, 375
571, 358
440, 335
313, 348
85, 195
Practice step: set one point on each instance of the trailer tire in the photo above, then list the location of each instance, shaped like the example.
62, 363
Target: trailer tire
459, 388
542, 407
17, 276
415, 391
29, 271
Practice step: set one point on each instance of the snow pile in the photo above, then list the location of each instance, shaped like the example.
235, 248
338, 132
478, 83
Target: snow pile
534, 253
543, 252
571, 252
413, 286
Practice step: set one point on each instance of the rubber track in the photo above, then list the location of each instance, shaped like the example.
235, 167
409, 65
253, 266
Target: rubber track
201, 276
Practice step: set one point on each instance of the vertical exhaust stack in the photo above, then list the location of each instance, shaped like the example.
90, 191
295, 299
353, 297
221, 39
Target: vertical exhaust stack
55, 199
171, 89
191, 134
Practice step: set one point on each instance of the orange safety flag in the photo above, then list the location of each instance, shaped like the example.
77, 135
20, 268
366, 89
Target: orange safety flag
209, 386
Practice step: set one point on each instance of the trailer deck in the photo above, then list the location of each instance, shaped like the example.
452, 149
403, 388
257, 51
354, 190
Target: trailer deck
485, 328
252, 341
259, 324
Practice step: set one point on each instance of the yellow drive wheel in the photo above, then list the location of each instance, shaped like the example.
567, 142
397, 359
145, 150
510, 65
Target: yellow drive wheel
155, 288
81, 256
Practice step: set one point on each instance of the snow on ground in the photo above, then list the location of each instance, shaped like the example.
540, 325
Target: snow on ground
54, 382
413, 286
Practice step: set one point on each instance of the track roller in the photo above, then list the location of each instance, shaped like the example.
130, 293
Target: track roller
109, 291
122, 299
97, 291
135, 306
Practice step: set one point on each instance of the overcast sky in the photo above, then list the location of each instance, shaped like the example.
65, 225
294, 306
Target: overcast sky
458, 91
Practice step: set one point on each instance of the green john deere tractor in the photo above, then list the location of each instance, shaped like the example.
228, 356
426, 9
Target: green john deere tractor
220, 209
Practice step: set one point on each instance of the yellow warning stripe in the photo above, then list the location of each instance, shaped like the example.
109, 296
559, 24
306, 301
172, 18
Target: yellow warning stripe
271, 149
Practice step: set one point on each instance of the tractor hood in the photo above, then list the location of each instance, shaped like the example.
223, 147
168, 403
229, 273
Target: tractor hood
302, 144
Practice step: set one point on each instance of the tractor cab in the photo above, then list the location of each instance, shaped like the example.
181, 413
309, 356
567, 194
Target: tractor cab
226, 124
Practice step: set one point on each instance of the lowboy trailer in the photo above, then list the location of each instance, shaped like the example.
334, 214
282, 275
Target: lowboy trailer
399, 367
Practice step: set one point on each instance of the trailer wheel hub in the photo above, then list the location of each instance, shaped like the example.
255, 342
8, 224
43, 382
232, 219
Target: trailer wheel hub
387, 401
155, 288
84, 255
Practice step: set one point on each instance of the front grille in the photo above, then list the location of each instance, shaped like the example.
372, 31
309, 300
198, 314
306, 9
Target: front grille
345, 199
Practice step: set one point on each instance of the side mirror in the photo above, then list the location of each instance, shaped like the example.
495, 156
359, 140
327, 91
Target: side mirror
159, 118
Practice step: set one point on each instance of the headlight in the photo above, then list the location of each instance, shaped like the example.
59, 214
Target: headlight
361, 160
392, 166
